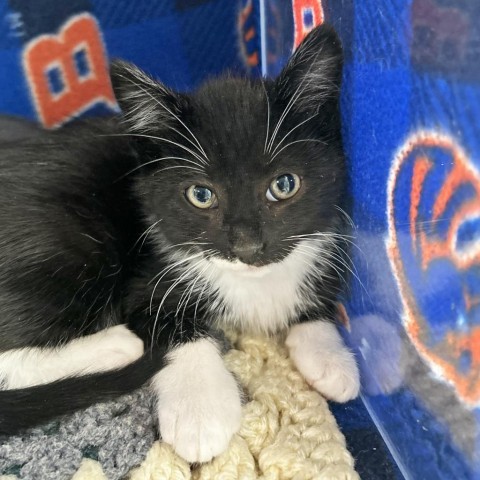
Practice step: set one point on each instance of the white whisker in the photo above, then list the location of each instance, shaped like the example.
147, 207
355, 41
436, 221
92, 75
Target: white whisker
347, 216
292, 143
321, 234
291, 131
268, 117
329, 256
156, 100
160, 139
165, 271
340, 260
192, 289
145, 234
183, 244
157, 160
330, 235
314, 255
200, 296
283, 116
185, 167
172, 287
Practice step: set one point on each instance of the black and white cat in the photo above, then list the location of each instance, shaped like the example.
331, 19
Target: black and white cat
126, 246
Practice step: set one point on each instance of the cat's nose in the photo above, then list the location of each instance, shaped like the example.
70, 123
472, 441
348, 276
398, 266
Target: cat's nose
247, 252
246, 247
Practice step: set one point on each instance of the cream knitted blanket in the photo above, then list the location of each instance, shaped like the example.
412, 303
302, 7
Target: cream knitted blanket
287, 432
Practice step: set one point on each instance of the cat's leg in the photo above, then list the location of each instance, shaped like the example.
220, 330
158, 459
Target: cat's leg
108, 349
317, 350
199, 403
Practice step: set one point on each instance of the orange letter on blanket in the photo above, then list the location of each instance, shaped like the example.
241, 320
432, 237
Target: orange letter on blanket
68, 73
307, 14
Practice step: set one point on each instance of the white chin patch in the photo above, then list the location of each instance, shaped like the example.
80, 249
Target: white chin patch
241, 268
260, 299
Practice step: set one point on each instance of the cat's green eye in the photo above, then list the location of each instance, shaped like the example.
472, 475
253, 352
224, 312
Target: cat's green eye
283, 187
201, 197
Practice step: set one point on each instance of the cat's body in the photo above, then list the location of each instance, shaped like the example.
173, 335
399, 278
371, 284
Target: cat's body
175, 224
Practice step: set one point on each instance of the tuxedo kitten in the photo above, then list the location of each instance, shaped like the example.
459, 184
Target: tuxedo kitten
127, 244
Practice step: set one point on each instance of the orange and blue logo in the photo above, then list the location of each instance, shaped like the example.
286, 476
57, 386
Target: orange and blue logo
249, 35
307, 14
434, 249
68, 72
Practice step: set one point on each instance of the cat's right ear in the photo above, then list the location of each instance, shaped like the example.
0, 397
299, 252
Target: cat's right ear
312, 76
146, 103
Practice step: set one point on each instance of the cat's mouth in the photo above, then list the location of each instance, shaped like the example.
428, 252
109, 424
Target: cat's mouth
240, 267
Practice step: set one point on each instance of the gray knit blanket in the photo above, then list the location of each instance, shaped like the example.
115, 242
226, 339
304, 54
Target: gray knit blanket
117, 434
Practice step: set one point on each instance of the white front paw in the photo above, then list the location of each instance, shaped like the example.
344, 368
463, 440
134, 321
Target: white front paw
319, 354
199, 430
335, 374
199, 407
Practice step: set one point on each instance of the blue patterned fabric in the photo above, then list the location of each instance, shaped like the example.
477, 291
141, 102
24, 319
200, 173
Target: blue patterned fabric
161, 37
411, 104
411, 109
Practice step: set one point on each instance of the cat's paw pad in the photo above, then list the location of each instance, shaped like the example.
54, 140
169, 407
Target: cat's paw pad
116, 347
332, 373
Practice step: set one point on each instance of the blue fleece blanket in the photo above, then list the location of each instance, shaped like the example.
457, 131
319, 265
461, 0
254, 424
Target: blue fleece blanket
411, 110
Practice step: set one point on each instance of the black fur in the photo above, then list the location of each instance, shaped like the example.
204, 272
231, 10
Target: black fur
75, 206
23, 408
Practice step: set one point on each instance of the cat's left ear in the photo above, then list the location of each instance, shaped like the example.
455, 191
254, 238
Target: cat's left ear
313, 74
146, 103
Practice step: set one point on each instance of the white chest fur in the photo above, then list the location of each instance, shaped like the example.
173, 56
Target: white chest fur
262, 299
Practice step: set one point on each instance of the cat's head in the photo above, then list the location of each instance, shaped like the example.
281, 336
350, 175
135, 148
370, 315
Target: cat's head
240, 169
